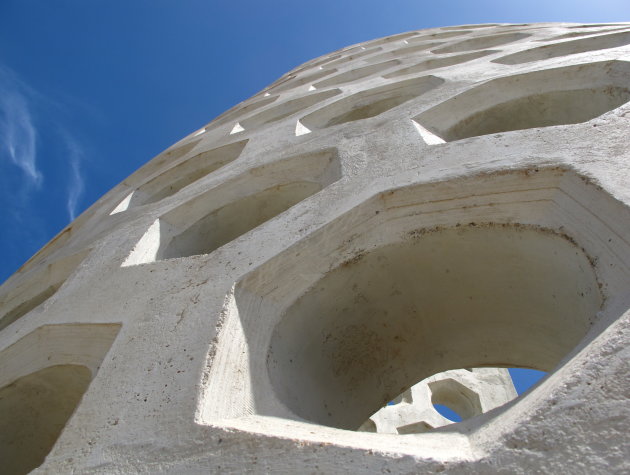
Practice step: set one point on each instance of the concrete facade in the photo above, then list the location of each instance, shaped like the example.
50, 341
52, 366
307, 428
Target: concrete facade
441, 199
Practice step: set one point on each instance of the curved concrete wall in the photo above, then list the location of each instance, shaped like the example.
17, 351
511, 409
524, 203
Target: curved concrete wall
435, 200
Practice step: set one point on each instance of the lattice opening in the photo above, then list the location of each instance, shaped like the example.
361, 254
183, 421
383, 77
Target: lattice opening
241, 111
182, 175
33, 412
438, 36
221, 215
374, 326
369, 103
36, 288
301, 81
559, 96
567, 48
401, 52
44, 376
483, 42
331, 319
352, 57
356, 74
439, 63
287, 109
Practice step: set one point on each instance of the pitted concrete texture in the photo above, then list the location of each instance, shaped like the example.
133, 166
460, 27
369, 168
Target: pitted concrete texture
450, 198
468, 392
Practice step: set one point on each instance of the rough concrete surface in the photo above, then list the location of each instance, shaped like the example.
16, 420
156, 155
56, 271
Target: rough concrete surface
442, 199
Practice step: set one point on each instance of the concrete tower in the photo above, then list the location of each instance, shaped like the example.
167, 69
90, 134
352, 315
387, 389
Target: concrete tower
432, 201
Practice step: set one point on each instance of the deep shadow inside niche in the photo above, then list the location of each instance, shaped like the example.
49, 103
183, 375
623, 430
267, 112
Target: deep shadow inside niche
540, 110
222, 214
181, 175
33, 412
231, 221
370, 103
39, 287
466, 297
566, 48
557, 96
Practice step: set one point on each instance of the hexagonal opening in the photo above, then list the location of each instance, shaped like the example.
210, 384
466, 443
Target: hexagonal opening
181, 175
33, 289
463, 296
438, 63
566, 48
482, 42
33, 412
504, 270
235, 207
370, 103
44, 376
356, 74
286, 109
559, 96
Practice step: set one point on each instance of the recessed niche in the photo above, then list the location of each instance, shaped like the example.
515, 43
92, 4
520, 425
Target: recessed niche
566, 48
352, 57
317, 63
599, 25
181, 175
558, 96
482, 42
306, 79
390, 39
439, 63
237, 112
33, 290
369, 103
33, 412
402, 312
223, 214
487, 25
356, 74
437, 36
287, 109
578, 34
44, 376
519, 268
401, 52
54, 244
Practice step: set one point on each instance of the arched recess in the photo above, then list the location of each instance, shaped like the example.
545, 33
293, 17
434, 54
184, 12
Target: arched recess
468, 296
33, 412
509, 269
43, 377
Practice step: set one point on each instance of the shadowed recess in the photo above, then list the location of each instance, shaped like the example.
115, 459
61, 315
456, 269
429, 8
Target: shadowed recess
181, 175
455, 298
370, 103
33, 412
558, 96
566, 48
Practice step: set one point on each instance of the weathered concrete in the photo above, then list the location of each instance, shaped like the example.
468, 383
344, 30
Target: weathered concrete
436, 200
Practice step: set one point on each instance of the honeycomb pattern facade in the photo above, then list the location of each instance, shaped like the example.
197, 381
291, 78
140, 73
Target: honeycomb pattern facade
448, 198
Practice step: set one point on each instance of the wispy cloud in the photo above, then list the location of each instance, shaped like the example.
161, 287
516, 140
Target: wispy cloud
18, 137
75, 180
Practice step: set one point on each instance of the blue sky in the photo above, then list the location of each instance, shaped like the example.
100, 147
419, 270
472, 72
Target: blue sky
90, 90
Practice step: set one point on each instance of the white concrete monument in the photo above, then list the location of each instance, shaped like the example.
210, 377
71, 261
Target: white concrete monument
437, 200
